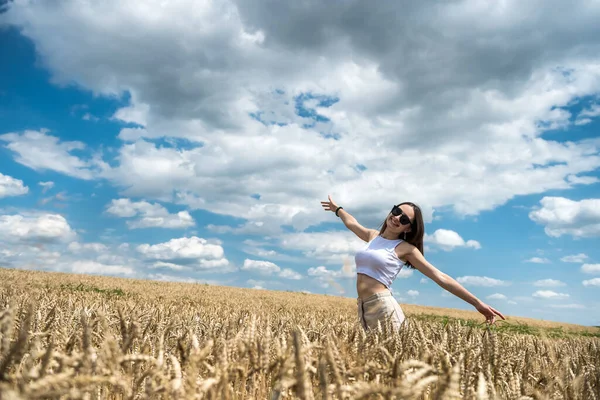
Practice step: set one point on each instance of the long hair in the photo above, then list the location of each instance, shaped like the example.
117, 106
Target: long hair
415, 236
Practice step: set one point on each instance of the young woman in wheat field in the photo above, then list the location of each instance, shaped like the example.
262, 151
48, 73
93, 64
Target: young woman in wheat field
398, 243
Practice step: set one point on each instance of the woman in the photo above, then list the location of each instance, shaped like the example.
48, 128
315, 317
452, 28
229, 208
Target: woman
399, 242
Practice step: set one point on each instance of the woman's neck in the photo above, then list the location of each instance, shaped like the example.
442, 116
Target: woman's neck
388, 235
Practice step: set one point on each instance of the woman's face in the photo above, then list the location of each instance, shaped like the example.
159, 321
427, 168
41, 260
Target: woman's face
393, 221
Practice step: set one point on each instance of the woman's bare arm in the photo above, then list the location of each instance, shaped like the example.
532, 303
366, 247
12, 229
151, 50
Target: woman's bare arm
416, 258
351, 223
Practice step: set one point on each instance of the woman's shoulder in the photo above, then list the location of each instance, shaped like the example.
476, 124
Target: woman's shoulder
404, 248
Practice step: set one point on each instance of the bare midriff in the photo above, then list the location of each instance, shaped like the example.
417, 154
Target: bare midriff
367, 286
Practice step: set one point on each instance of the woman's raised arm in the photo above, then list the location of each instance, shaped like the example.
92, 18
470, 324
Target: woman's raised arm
351, 223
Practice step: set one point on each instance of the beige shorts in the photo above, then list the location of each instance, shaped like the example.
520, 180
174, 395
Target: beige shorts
380, 307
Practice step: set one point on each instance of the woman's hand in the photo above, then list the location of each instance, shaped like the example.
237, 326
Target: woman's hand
489, 313
329, 205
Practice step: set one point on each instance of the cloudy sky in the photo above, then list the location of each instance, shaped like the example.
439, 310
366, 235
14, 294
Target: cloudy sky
194, 140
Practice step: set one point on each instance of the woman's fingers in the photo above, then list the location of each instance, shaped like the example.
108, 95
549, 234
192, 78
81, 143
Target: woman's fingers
498, 313
329, 205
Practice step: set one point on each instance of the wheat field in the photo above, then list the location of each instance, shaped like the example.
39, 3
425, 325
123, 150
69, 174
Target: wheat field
75, 336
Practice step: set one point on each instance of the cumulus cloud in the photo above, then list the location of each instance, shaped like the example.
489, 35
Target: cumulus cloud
263, 267
413, 293
591, 282
568, 306
538, 260
449, 240
561, 216
41, 151
331, 247
10, 186
46, 186
92, 267
192, 251
586, 115
590, 268
549, 294
312, 99
497, 296
575, 258
548, 283
289, 273
35, 227
147, 215
269, 268
77, 247
481, 281
405, 273
322, 272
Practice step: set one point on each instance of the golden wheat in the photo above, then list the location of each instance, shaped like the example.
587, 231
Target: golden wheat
74, 336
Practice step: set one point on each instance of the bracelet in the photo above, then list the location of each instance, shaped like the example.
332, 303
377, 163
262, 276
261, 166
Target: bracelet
338, 209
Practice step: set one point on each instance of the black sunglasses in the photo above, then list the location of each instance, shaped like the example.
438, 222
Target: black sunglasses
404, 220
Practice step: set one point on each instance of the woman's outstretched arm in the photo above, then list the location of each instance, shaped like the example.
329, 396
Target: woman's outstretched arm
350, 222
416, 258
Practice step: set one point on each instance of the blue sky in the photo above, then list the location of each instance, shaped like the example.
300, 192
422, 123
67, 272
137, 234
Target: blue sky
139, 147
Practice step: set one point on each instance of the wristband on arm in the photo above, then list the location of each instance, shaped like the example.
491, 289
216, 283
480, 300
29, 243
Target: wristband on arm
338, 209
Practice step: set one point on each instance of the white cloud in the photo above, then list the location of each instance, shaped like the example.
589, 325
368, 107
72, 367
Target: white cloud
35, 227
448, 240
137, 113
549, 294
288, 273
561, 216
582, 180
171, 266
481, 281
461, 128
92, 267
263, 267
424, 280
322, 272
254, 282
538, 260
590, 268
568, 306
77, 247
575, 258
40, 151
497, 296
476, 136
413, 293
548, 283
46, 186
330, 247
89, 117
405, 273
591, 282
326, 277
10, 186
194, 252
586, 115
149, 215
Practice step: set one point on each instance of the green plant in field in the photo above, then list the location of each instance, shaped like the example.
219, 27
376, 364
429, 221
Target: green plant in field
86, 288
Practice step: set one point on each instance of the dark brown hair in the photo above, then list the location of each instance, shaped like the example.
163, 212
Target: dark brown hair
417, 231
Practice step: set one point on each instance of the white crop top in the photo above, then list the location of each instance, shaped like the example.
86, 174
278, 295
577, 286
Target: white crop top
379, 260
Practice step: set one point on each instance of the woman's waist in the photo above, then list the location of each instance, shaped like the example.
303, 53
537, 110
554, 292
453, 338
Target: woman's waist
367, 286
